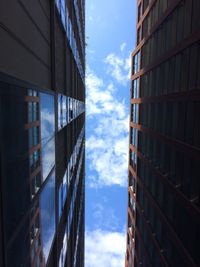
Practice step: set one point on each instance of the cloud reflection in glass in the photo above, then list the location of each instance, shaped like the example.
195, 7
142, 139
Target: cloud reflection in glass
47, 118
47, 215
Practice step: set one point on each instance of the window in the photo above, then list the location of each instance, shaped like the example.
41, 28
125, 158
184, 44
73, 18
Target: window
139, 12
47, 215
33, 136
60, 120
48, 158
63, 252
133, 159
62, 194
64, 188
134, 113
31, 92
34, 160
136, 63
35, 184
47, 133
132, 183
139, 35
32, 112
134, 136
131, 203
63, 13
135, 88
64, 110
47, 117
70, 109
58, 5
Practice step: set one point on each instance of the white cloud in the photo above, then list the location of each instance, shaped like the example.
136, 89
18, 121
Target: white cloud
90, 51
119, 67
107, 144
107, 150
122, 46
105, 217
90, 18
96, 97
104, 248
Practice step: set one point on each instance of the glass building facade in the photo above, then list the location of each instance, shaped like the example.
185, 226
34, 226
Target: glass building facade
42, 133
164, 163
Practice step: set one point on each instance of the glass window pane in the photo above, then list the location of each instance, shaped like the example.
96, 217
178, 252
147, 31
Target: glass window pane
47, 215
48, 158
64, 110
35, 135
47, 117
59, 111
63, 13
64, 188
30, 112
30, 139
35, 111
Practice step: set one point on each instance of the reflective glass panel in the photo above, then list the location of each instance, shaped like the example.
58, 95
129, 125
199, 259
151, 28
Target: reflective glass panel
47, 215
59, 111
48, 158
47, 117
64, 188
64, 109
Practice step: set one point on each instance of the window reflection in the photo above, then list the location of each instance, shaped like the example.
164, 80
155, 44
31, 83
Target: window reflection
64, 110
134, 136
64, 188
47, 133
133, 159
136, 63
47, 215
62, 194
47, 117
48, 158
135, 89
134, 113
63, 252
68, 109
26, 115
67, 24
59, 111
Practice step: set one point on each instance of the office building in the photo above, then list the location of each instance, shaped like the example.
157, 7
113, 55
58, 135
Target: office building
164, 163
42, 131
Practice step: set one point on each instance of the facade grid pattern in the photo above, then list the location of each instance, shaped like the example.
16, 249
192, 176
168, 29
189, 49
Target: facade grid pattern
164, 187
42, 133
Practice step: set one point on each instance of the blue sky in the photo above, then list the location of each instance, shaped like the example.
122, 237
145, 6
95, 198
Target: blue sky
110, 37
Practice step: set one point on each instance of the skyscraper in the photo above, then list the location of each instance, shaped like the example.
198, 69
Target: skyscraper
42, 131
164, 163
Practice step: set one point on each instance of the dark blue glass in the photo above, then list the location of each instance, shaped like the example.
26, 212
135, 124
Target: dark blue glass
60, 193
48, 158
47, 215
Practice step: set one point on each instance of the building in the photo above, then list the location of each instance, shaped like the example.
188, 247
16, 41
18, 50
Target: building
42, 132
164, 164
